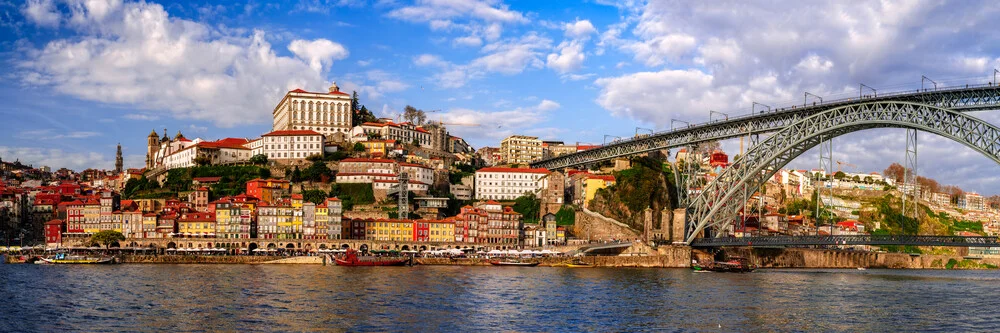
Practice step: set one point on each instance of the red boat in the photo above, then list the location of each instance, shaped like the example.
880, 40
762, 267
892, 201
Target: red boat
351, 259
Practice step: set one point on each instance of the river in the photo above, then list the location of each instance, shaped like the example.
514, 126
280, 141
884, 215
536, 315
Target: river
238, 298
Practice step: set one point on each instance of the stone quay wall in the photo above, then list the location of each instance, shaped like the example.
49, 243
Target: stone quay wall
818, 258
189, 259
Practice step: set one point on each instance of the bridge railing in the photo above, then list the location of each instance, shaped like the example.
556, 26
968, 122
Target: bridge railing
956, 241
787, 108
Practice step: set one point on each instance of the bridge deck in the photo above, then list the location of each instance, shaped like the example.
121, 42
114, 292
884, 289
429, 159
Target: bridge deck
765, 241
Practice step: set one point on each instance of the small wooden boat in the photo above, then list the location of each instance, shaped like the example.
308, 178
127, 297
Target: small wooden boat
513, 262
63, 258
351, 258
574, 264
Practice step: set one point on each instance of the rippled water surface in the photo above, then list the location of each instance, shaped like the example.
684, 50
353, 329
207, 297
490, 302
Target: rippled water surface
178, 298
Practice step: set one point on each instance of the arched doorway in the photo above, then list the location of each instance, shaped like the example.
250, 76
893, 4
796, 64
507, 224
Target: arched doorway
423, 248
345, 246
322, 246
363, 248
290, 246
406, 248
251, 247
271, 246
171, 245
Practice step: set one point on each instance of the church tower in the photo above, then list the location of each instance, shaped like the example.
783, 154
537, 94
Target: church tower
119, 162
152, 146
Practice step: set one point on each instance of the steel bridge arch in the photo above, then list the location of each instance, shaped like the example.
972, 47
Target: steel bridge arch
714, 206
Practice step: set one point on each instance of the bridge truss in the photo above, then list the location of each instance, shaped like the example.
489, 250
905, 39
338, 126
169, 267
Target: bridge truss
962, 99
956, 241
717, 205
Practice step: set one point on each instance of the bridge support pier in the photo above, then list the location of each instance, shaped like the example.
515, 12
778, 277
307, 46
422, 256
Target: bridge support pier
910, 186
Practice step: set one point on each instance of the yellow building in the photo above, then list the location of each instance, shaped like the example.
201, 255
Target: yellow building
294, 229
322, 220
92, 217
149, 225
594, 183
441, 231
196, 225
401, 230
378, 147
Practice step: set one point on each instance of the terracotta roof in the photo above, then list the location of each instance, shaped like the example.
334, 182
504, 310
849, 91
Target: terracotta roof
291, 132
608, 178
54, 222
491, 202
366, 160
207, 179
319, 93
498, 169
297, 196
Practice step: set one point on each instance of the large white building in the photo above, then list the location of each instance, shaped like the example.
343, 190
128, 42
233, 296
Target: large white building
520, 149
291, 144
326, 113
402, 132
508, 183
182, 152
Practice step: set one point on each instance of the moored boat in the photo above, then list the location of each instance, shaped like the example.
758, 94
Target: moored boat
63, 258
351, 258
574, 264
513, 262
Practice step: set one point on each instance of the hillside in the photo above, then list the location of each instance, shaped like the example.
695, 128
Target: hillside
648, 184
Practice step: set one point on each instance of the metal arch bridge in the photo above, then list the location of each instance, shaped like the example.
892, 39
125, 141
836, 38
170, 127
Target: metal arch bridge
717, 205
878, 240
962, 99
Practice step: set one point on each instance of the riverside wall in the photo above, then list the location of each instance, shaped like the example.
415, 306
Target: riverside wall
664, 257
817, 258
186, 259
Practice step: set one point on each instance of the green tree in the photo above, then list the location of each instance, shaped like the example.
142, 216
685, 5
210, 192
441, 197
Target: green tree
414, 115
415, 143
856, 179
314, 196
528, 206
296, 175
202, 160
316, 171
358, 147
314, 158
839, 175
107, 237
259, 159
566, 216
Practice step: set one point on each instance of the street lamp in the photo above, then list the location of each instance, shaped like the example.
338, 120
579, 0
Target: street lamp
672, 121
924, 78
805, 98
710, 112
861, 91
753, 107
606, 138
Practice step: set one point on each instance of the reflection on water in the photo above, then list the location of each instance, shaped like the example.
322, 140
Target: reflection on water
447, 299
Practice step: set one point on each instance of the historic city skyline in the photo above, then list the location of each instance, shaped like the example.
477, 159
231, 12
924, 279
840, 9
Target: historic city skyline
514, 68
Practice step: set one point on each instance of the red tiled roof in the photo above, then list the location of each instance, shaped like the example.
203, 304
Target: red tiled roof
291, 132
54, 222
607, 178
491, 202
327, 93
297, 196
366, 160
498, 169
207, 179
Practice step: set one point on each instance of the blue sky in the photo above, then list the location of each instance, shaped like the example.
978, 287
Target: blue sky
85, 75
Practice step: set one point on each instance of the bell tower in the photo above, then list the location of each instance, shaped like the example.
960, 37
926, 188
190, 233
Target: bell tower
152, 145
119, 162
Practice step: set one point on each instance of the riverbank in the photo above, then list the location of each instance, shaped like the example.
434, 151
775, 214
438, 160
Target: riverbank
657, 261
818, 258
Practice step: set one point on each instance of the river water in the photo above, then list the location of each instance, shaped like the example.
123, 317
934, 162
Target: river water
239, 298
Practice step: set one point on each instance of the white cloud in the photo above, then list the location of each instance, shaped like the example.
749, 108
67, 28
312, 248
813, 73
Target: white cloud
655, 51
470, 41
42, 13
320, 53
135, 54
513, 56
581, 29
493, 125
814, 64
55, 158
139, 116
578, 77
569, 58
429, 60
437, 10
374, 84
50, 134
364, 63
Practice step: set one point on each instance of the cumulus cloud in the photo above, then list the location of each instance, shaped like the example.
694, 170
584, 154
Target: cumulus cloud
700, 58
42, 13
135, 54
491, 126
320, 53
438, 10
56, 158
569, 58
580, 29
374, 84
